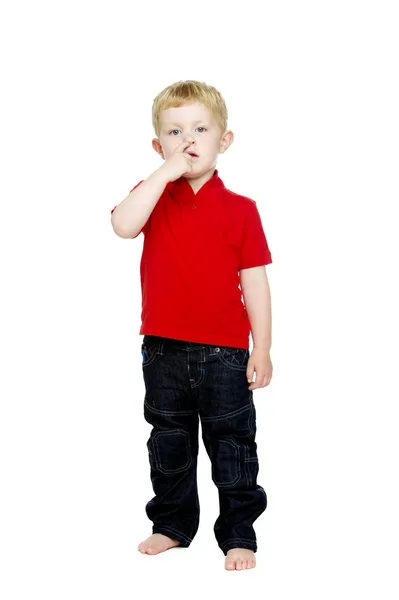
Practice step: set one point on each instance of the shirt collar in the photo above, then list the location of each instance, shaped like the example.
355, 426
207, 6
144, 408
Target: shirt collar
182, 190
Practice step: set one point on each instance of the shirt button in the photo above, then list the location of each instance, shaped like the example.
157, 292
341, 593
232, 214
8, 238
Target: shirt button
193, 206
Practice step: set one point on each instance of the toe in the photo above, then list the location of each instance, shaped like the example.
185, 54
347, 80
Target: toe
230, 565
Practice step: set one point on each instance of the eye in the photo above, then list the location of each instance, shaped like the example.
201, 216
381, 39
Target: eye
173, 130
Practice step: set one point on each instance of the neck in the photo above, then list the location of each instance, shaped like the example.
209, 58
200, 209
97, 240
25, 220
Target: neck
197, 182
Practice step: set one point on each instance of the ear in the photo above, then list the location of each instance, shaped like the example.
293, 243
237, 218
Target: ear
157, 147
226, 140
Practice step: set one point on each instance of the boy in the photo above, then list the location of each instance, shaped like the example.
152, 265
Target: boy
201, 241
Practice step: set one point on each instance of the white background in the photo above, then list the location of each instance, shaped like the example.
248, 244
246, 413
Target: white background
312, 94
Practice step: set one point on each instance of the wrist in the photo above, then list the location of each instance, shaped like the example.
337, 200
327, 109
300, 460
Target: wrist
162, 174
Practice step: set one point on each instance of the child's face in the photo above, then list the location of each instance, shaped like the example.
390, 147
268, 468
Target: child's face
192, 122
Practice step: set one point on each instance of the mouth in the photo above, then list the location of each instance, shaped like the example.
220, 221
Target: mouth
193, 154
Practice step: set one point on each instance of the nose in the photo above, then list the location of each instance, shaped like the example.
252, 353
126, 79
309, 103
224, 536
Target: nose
189, 138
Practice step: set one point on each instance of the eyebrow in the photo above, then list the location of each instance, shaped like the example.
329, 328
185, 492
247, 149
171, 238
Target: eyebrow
169, 123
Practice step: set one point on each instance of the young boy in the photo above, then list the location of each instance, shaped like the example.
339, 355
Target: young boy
201, 242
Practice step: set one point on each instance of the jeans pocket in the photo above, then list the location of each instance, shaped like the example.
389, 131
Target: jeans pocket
170, 450
149, 352
234, 358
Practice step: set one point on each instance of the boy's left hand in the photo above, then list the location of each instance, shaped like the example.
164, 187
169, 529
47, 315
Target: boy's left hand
259, 361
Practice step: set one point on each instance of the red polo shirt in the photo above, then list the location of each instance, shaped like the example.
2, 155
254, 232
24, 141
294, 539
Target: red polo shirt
194, 247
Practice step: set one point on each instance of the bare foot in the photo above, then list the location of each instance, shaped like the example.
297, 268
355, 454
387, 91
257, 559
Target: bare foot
239, 559
157, 543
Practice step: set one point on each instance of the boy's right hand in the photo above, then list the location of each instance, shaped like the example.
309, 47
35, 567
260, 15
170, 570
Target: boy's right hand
179, 163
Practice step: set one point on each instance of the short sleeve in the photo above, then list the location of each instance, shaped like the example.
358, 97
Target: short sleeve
146, 225
254, 250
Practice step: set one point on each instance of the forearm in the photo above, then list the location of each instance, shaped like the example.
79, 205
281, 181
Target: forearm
130, 216
257, 299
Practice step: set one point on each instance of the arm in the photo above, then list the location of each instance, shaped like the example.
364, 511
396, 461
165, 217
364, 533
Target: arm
256, 293
133, 212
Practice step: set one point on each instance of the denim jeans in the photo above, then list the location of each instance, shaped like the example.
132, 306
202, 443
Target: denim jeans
185, 382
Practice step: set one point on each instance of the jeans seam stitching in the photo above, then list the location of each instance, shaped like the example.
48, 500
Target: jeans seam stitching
234, 413
234, 540
169, 412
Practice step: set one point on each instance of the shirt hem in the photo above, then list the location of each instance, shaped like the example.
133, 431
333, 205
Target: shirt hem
199, 338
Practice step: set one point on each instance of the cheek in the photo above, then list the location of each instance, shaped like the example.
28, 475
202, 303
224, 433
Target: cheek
169, 147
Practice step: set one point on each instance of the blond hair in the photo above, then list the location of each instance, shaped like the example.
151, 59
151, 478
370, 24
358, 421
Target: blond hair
190, 92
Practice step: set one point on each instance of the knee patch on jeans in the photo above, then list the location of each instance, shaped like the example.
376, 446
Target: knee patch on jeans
170, 451
225, 456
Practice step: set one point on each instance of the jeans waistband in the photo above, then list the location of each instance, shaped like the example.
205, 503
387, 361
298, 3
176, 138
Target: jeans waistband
173, 343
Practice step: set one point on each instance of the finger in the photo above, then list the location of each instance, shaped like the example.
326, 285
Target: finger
183, 146
259, 380
189, 159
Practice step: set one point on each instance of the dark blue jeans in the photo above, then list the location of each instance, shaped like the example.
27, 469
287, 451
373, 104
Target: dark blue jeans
185, 381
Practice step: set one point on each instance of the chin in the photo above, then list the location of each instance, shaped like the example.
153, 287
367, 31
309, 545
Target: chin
198, 171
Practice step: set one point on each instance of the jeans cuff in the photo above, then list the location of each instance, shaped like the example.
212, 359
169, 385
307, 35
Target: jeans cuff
238, 543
